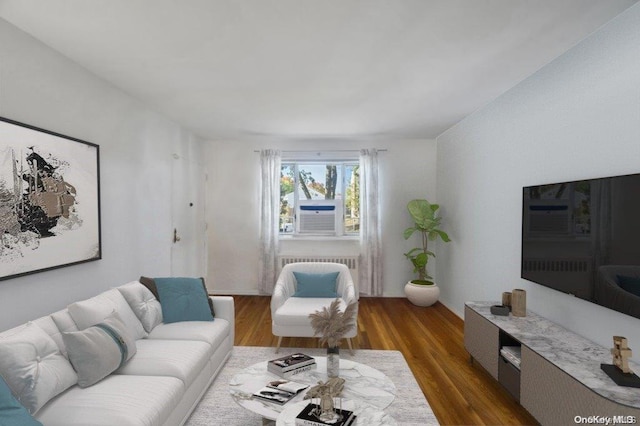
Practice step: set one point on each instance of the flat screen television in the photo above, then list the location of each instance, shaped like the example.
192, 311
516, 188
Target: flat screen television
583, 238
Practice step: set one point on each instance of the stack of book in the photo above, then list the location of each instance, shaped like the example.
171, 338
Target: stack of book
308, 417
291, 365
280, 391
513, 354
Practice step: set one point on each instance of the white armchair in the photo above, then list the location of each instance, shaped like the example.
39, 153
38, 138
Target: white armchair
290, 315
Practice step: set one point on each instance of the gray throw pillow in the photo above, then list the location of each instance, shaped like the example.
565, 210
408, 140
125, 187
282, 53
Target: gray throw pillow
99, 350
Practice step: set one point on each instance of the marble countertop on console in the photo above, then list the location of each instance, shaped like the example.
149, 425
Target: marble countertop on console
578, 357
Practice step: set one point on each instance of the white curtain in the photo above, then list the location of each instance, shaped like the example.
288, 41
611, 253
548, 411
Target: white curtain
370, 275
269, 219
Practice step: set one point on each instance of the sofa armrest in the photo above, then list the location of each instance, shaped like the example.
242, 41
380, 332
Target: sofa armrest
224, 307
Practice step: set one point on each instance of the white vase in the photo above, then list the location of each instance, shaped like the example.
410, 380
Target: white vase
422, 295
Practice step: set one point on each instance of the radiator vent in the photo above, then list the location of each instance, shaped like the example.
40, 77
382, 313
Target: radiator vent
557, 265
350, 261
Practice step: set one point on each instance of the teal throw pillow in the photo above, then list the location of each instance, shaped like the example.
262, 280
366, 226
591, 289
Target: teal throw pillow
630, 284
12, 413
183, 299
316, 285
151, 285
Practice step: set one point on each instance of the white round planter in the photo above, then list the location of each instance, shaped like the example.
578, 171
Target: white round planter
422, 295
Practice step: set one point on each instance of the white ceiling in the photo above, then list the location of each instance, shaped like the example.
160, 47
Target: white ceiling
312, 68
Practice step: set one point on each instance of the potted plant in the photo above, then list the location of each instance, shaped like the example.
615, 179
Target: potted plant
423, 291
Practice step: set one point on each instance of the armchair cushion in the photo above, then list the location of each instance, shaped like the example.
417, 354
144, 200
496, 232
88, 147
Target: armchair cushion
316, 285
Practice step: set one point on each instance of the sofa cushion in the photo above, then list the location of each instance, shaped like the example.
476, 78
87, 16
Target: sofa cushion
315, 285
97, 351
296, 310
211, 332
183, 299
151, 285
12, 413
143, 303
92, 311
182, 359
116, 400
33, 366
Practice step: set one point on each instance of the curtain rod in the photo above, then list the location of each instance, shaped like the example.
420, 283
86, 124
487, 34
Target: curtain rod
328, 150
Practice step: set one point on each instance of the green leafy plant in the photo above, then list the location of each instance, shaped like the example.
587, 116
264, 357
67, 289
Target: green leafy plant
427, 223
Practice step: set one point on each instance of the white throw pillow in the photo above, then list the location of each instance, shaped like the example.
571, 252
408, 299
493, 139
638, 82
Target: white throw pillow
99, 350
33, 367
92, 311
143, 303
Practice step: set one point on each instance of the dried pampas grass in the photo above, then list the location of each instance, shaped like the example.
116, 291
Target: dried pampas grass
331, 324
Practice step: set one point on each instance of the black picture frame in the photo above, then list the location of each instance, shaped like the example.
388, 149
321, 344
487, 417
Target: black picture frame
49, 200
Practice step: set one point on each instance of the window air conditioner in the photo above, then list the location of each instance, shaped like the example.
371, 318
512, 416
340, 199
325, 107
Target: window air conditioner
548, 217
317, 217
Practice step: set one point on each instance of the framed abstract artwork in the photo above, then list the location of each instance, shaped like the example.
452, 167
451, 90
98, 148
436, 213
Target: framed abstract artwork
49, 200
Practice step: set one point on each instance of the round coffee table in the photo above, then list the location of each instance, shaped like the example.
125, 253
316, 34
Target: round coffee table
366, 415
362, 383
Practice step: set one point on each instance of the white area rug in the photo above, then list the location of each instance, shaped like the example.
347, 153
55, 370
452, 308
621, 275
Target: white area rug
218, 408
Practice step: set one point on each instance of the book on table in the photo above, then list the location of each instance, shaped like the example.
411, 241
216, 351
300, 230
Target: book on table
288, 386
280, 391
290, 362
307, 417
291, 365
292, 373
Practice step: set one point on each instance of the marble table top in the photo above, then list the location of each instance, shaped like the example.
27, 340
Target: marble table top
362, 383
366, 415
575, 355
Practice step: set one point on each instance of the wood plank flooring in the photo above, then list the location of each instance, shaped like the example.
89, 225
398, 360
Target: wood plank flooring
431, 340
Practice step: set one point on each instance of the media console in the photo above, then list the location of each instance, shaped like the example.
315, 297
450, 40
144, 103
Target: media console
558, 379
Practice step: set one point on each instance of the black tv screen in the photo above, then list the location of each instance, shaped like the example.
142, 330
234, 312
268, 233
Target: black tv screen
583, 238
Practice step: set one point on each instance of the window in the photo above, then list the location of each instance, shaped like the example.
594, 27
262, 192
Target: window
319, 198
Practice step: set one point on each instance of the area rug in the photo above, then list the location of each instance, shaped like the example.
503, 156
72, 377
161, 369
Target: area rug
218, 408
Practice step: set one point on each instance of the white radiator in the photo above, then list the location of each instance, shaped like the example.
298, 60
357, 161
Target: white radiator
350, 261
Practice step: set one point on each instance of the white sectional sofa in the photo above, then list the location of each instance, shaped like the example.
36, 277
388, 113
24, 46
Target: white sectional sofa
161, 384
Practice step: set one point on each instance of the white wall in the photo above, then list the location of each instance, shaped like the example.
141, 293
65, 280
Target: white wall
40, 87
407, 171
578, 117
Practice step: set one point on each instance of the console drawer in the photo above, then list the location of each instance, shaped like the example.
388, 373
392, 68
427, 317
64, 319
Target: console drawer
509, 377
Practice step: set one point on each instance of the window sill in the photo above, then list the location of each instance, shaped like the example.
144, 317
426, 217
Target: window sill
319, 238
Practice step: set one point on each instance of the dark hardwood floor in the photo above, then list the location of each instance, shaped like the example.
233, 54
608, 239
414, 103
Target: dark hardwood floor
431, 340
